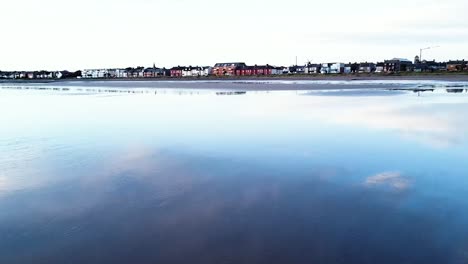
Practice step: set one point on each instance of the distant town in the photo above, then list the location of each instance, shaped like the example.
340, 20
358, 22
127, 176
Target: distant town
387, 67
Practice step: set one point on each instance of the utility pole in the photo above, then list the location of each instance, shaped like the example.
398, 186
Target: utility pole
428, 48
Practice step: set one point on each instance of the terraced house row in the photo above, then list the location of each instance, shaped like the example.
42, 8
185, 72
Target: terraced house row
242, 69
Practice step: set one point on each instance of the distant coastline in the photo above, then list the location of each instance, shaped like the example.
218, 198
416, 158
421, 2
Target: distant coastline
439, 76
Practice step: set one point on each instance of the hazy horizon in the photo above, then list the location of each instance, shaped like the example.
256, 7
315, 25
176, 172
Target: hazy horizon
58, 35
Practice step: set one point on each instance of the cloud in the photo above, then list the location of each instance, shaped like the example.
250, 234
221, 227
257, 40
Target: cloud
393, 180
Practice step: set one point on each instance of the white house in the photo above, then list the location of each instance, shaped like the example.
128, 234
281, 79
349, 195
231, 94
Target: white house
325, 68
312, 68
196, 71
380, 67
95, 73
121, 73
348, 68
337, 68
277, 71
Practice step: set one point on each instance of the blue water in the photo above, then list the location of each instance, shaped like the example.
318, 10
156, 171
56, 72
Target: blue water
202, 176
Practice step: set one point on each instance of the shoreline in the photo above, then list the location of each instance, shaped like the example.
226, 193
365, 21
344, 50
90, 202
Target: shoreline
317, 77
238, 84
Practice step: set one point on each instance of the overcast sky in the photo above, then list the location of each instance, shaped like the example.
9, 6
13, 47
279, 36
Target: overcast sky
64, 34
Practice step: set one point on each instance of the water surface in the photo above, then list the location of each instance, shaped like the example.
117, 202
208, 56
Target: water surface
120, 175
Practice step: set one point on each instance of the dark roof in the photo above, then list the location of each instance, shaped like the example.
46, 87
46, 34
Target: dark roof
366, 64
230, 64
152, 70
189, 68
457, 62
258, 67
394, 60
297, 67
398, 61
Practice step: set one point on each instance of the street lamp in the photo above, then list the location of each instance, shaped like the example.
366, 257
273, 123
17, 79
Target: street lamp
421, 50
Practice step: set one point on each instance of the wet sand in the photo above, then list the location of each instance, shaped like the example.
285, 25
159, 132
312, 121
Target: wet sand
263, 83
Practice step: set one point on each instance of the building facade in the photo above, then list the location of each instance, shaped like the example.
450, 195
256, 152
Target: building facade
177, 71
457, 66
398, 65
256, 70
367, 67
196, 71
312, 68
227, 69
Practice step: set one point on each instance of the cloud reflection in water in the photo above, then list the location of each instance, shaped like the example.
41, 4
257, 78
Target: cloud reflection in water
392, 179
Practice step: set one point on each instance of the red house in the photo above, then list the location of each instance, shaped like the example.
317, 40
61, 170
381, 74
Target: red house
176, 71
255, 70
229, 69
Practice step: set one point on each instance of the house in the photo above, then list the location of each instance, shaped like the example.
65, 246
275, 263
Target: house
206, 71
334, 68
380, 67
242, 71
95, 73
61, 74
12, 75
255, 70
277, 71
398, 65
153, 72
111, 73
348, 68
150, 72
297, 69
67, 74
43, 75
221, 69
137, 72
312, 68
367, 67
30, 75
16, 75
457, 65
325, 68
429, 66
263, 69
337, 67
177, 71
196, 71
122, 73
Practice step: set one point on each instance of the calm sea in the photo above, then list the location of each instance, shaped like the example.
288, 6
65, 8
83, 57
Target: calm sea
122, 175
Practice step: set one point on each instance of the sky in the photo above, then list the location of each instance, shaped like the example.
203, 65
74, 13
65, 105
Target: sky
84, 34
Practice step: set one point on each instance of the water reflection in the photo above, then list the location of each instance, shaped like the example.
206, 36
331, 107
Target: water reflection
393, 180
260, 178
